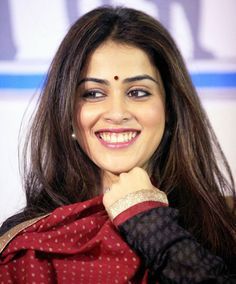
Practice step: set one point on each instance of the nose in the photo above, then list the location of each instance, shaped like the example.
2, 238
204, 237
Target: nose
117, 110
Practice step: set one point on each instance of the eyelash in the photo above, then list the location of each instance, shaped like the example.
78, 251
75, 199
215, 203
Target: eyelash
91, 95
134, 93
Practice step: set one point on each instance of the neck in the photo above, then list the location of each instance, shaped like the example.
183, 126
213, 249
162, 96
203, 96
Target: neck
108, 179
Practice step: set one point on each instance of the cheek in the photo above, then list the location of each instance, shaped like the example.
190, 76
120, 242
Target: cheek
85, 118
155, 116
81, 127
82, 120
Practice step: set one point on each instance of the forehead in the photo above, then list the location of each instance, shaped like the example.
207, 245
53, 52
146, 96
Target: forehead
113, 58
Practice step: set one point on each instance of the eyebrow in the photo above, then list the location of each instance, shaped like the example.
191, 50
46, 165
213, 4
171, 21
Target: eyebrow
96, 80
140, 78
126, 80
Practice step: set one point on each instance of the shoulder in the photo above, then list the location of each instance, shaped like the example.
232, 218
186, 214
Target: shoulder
6, 238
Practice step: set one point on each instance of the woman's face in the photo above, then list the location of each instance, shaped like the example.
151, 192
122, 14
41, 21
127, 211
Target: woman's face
120, 109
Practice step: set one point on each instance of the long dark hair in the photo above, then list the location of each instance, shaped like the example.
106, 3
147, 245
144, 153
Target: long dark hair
187, 163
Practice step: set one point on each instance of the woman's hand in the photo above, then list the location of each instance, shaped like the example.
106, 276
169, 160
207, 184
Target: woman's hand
134, 180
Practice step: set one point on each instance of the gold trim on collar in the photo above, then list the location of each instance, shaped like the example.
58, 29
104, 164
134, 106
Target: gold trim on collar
9, 235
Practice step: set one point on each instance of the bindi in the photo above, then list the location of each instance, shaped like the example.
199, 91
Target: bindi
116, 77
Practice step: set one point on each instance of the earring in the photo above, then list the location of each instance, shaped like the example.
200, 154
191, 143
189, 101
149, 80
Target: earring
73, 136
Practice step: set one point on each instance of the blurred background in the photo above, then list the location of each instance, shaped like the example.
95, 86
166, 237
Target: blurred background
31, 30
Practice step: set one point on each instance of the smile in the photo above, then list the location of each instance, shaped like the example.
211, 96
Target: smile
117, 138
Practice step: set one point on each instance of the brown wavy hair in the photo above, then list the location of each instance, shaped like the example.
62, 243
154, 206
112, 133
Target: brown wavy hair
188, 165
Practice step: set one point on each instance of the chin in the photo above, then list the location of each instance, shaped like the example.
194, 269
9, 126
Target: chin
119, 170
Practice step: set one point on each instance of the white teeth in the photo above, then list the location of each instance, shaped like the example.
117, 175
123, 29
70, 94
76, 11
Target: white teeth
117, 137
113, 138
107, 137
120, 138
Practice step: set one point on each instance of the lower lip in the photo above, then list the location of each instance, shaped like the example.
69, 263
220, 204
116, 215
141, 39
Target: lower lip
117, 145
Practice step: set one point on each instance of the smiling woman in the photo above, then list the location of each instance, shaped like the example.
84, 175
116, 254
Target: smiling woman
119, 148
115, 120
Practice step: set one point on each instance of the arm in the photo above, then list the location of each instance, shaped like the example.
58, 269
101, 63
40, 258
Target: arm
171, 253
150, 227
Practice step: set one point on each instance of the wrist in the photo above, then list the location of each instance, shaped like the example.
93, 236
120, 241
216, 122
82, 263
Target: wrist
143, 196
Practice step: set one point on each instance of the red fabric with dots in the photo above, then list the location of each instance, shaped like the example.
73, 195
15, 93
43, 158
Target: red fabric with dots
75, 244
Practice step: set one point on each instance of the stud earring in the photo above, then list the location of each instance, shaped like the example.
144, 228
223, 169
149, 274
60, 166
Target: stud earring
73, 136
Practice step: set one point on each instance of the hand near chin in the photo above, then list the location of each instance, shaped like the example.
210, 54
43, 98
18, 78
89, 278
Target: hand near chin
135, 180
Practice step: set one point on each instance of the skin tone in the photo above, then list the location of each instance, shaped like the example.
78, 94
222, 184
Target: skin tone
120, 114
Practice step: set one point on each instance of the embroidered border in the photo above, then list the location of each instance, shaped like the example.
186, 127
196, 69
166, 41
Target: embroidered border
134, 198
9, 235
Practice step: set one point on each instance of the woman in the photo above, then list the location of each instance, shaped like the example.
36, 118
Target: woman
119, 115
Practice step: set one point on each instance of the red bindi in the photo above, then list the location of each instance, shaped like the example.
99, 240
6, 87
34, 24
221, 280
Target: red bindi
116, 77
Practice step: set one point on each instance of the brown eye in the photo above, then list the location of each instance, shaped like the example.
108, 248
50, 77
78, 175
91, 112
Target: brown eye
93, 95
138, 93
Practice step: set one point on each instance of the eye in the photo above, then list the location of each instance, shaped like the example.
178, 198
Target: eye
93, 95
138, 93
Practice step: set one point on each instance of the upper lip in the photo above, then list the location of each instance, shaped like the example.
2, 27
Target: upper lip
117, 130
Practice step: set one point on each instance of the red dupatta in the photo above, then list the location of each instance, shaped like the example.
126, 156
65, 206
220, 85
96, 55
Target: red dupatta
74, 244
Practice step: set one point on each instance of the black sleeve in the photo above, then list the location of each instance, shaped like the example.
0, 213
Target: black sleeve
171, 253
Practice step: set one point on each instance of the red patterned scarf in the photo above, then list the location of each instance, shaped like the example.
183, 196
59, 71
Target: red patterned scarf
74, 244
